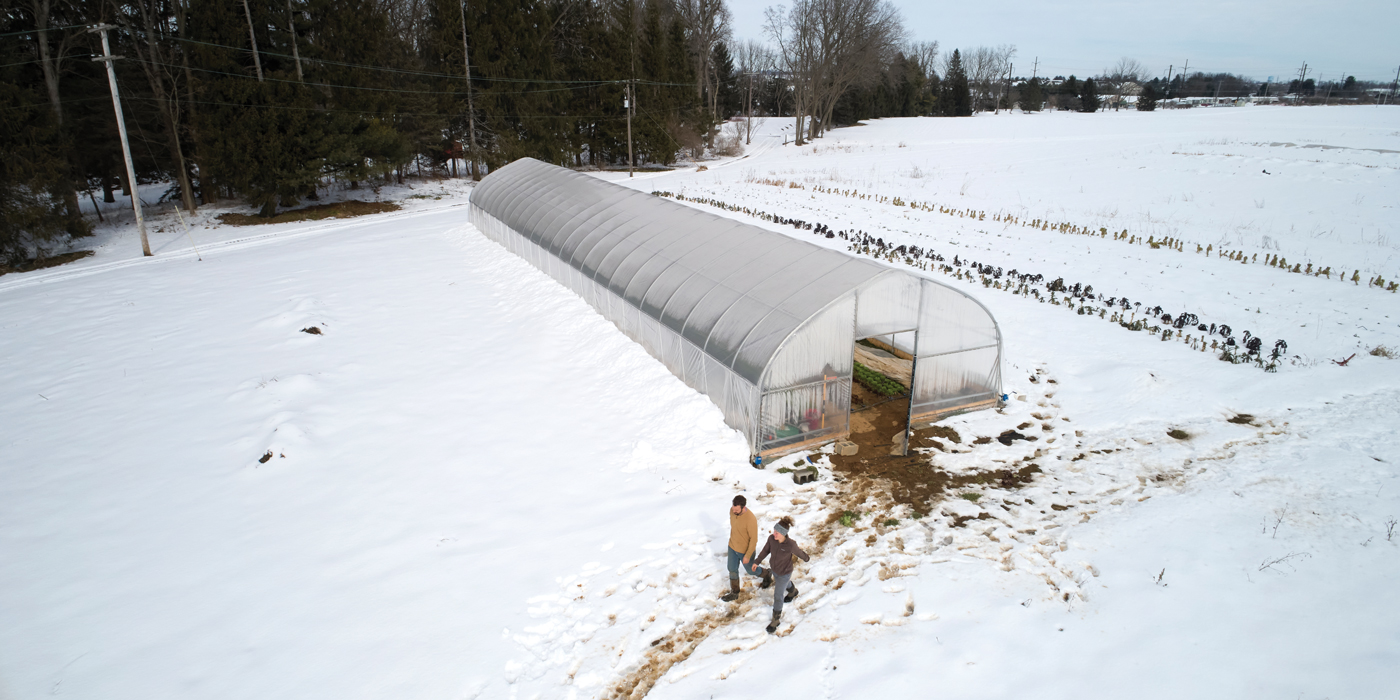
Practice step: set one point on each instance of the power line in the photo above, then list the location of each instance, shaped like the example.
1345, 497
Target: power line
22, 63
48, 29
138, 98
373, 89
377, 114
433, 74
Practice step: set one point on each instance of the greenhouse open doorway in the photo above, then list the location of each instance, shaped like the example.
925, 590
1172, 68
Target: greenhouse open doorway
884, 377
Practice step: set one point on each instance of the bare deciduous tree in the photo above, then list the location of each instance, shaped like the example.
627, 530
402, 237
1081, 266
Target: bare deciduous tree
987, 69
1122, 79
707, 24
924, 54
755, 61
827, 46
156, 24
54, 45
1126, 70
795, 36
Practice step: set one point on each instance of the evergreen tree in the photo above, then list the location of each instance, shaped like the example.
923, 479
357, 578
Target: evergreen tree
378, 88
1032, 96
275, 140
32, 176
727, 93
510, 42
908, 86
652, 142
687, 120
1089, 96
956, 99
1147, 99
928, 96
591, 48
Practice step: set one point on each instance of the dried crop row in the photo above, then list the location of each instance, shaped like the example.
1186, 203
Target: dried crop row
1169, 243
1078, 297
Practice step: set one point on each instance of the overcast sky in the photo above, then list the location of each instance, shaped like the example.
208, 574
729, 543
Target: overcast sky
1257, 39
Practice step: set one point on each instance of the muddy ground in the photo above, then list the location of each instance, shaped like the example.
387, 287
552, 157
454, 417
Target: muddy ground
910, 479
877, 477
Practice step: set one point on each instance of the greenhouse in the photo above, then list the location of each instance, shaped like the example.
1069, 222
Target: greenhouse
768, 326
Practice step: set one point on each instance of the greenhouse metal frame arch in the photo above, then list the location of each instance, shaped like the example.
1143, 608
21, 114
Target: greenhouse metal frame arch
764, 324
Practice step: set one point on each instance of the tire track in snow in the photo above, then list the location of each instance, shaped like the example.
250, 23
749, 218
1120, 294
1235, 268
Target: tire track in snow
229, 245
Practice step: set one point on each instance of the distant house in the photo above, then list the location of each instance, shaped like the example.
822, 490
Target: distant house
1186, 102
1126, 94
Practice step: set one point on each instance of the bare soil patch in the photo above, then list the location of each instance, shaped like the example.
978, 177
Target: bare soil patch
671, 650
339, 210
50, 261
910, 479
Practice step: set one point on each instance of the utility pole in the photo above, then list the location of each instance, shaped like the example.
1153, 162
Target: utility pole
1183, 74
749, 134
292, 27
1006, 86
1034, 67
257, 62
107, 58
471, 110
1167, 92
629, 99
627, 104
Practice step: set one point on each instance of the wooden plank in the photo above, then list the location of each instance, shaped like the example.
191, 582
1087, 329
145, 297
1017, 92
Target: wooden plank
935, 416
777, 452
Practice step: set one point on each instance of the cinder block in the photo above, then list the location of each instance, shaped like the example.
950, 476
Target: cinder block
846, 448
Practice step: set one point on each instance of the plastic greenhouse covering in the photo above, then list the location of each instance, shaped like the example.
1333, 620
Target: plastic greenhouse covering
762, 323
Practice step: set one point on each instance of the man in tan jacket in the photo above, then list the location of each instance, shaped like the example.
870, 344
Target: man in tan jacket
743, 540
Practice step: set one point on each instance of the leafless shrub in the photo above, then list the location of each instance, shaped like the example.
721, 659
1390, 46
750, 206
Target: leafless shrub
728, 144
1279, 516
1270, 564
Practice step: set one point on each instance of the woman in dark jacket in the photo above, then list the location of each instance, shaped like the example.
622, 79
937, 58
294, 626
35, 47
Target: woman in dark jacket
783, 549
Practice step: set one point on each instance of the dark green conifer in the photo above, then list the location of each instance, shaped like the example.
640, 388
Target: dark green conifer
956, 100
1089, 96
1032, 96
1147, 100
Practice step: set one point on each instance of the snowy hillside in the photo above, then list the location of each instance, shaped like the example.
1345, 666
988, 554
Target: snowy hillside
478, 488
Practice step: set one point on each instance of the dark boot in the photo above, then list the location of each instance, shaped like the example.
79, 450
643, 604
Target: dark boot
767, 578
773, 626
791, 593
733, 593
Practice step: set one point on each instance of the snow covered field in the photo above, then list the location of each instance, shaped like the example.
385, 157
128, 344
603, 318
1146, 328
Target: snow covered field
479, 488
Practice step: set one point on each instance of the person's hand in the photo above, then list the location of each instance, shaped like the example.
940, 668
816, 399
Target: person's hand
746, 559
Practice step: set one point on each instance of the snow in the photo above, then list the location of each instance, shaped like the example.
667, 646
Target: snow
487, 491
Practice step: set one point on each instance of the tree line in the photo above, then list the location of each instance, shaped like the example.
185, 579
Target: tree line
270, 102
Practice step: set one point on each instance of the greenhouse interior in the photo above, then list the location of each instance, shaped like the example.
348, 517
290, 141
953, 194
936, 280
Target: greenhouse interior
773, 329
